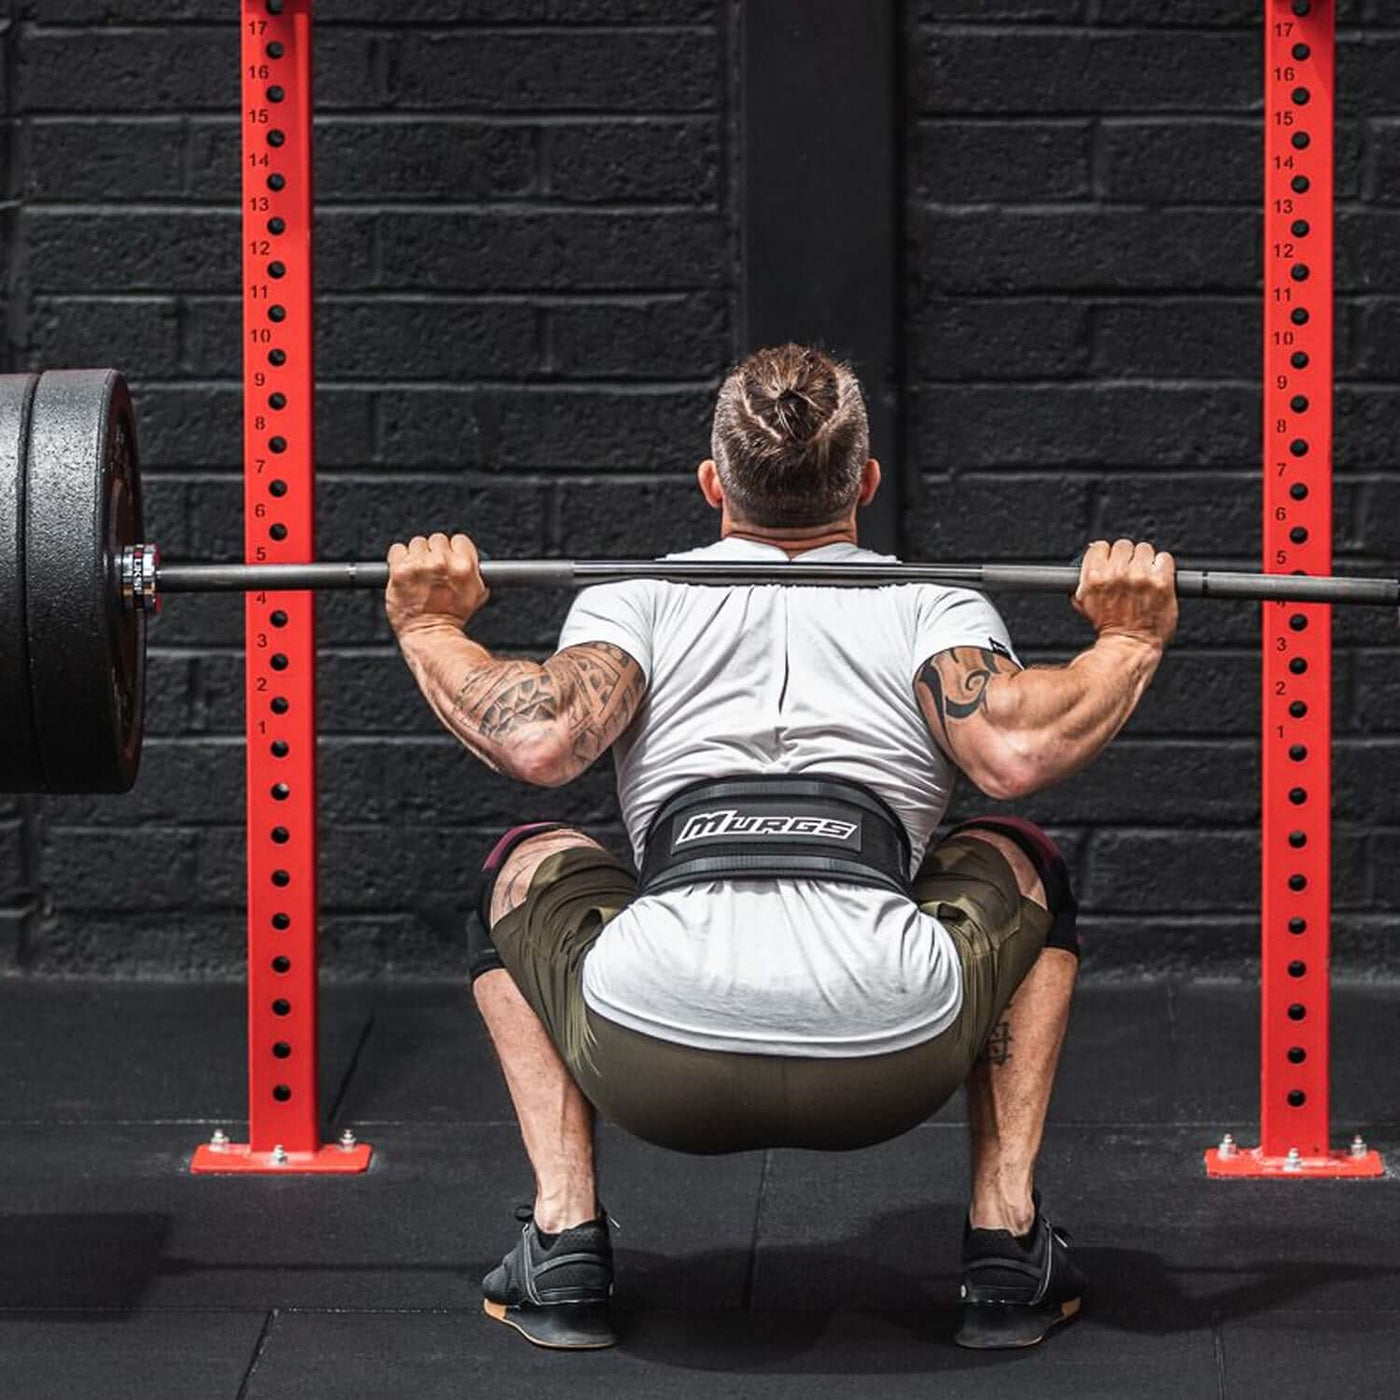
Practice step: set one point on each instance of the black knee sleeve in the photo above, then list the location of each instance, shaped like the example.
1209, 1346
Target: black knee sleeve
1050, 865
482, 956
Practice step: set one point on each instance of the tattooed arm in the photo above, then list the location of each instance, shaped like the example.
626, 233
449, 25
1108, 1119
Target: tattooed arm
1015, 731
542, 723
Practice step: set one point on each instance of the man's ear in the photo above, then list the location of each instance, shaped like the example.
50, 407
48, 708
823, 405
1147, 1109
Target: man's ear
707, 474
870, 478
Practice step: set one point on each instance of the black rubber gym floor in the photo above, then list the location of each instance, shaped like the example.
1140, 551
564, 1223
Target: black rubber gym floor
767, 1275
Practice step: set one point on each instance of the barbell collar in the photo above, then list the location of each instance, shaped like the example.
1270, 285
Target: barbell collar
149, 578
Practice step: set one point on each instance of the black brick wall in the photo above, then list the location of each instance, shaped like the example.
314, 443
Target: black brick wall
1083, 232
527, 256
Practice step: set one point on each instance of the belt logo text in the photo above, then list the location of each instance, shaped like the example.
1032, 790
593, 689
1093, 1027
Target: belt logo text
715, 826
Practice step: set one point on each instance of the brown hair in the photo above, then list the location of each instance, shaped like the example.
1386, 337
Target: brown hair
790, 437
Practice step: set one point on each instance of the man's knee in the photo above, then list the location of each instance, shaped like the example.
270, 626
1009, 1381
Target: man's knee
1042, 875
505, 879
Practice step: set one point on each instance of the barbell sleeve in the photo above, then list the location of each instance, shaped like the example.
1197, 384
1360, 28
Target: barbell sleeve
565, 573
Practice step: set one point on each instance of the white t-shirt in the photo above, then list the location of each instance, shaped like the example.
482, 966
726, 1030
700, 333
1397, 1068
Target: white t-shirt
769, 679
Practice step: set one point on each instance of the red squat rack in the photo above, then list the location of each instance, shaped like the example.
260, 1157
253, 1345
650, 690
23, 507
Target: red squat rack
1299, 86
284, 1121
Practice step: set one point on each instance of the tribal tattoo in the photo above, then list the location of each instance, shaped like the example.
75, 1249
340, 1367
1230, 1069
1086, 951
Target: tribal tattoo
957, 681
592, 691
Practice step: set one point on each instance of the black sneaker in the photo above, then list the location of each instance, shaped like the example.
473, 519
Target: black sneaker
556, 1295
1016, 1288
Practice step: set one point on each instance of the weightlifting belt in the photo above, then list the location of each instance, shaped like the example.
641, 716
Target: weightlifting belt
775, 827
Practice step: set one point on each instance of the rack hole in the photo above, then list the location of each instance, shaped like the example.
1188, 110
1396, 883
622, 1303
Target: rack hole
275, 93
1299, 272
275, 49
281, 1007
1302, 96
1297, 839
276, 137
1297, 1011
278, 618
279, 532
281, 964
1297, 925
1298, 666
1302, 141
281, 922
1298, 622
280, 705
280, 792
1298, 534
281, 1093
280, 662
277, 488
279, 313
1298, 752
1299, 359
277, 357
277, 182
277, 225
280, 748
282, 1050
1298, 491
277, 401
1299, 403
1301, 316
1298, 709
1297, 883
1297, 1098
280, 835
279, 444
1301, 183
1297, 968
1298, 796
281, 878
1301, 228
1296, 1054
1298, 447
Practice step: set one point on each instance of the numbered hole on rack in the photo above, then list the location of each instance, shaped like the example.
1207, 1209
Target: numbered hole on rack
1298, 709
1297, 839
1301, 183
1296, 1098
1297, 926
276, 269
281, 922
1296, 1054
1297, 968
1299, 403
281, 965
281, 1007
1301, 141
1297, 1012
277, 357
279, 313
274, 7
1299, 359
277, 487
1298, 534
280, 835
1298, 796
277, 182
1301, 228
280, 792
1301, 96
280, 705
282, 1093
277, 401
1297, 883
277, 226
1298, 622
1300, 316
280, 748
1300, 7
1299, 491
279, 532
276, 94
1298, 666
1298, 752
1298, 272
282, 1050
276, 138
281, 878
276, 49
279, 445
280, 661
278, 618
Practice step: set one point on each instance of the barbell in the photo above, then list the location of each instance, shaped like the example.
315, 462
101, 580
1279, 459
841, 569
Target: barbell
78, 582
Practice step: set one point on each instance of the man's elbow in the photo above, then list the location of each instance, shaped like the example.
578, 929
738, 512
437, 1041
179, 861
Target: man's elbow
542, 762
1011, 777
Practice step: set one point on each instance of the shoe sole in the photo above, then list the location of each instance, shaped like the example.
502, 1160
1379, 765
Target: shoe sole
1067, 1311
570, 1329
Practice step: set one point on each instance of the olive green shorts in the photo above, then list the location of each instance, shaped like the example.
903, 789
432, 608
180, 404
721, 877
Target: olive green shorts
713, 1101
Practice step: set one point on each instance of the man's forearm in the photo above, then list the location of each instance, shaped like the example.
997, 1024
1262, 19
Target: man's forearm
1057, 720
505, 712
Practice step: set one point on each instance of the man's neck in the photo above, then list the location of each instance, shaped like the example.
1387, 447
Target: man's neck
792, 542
